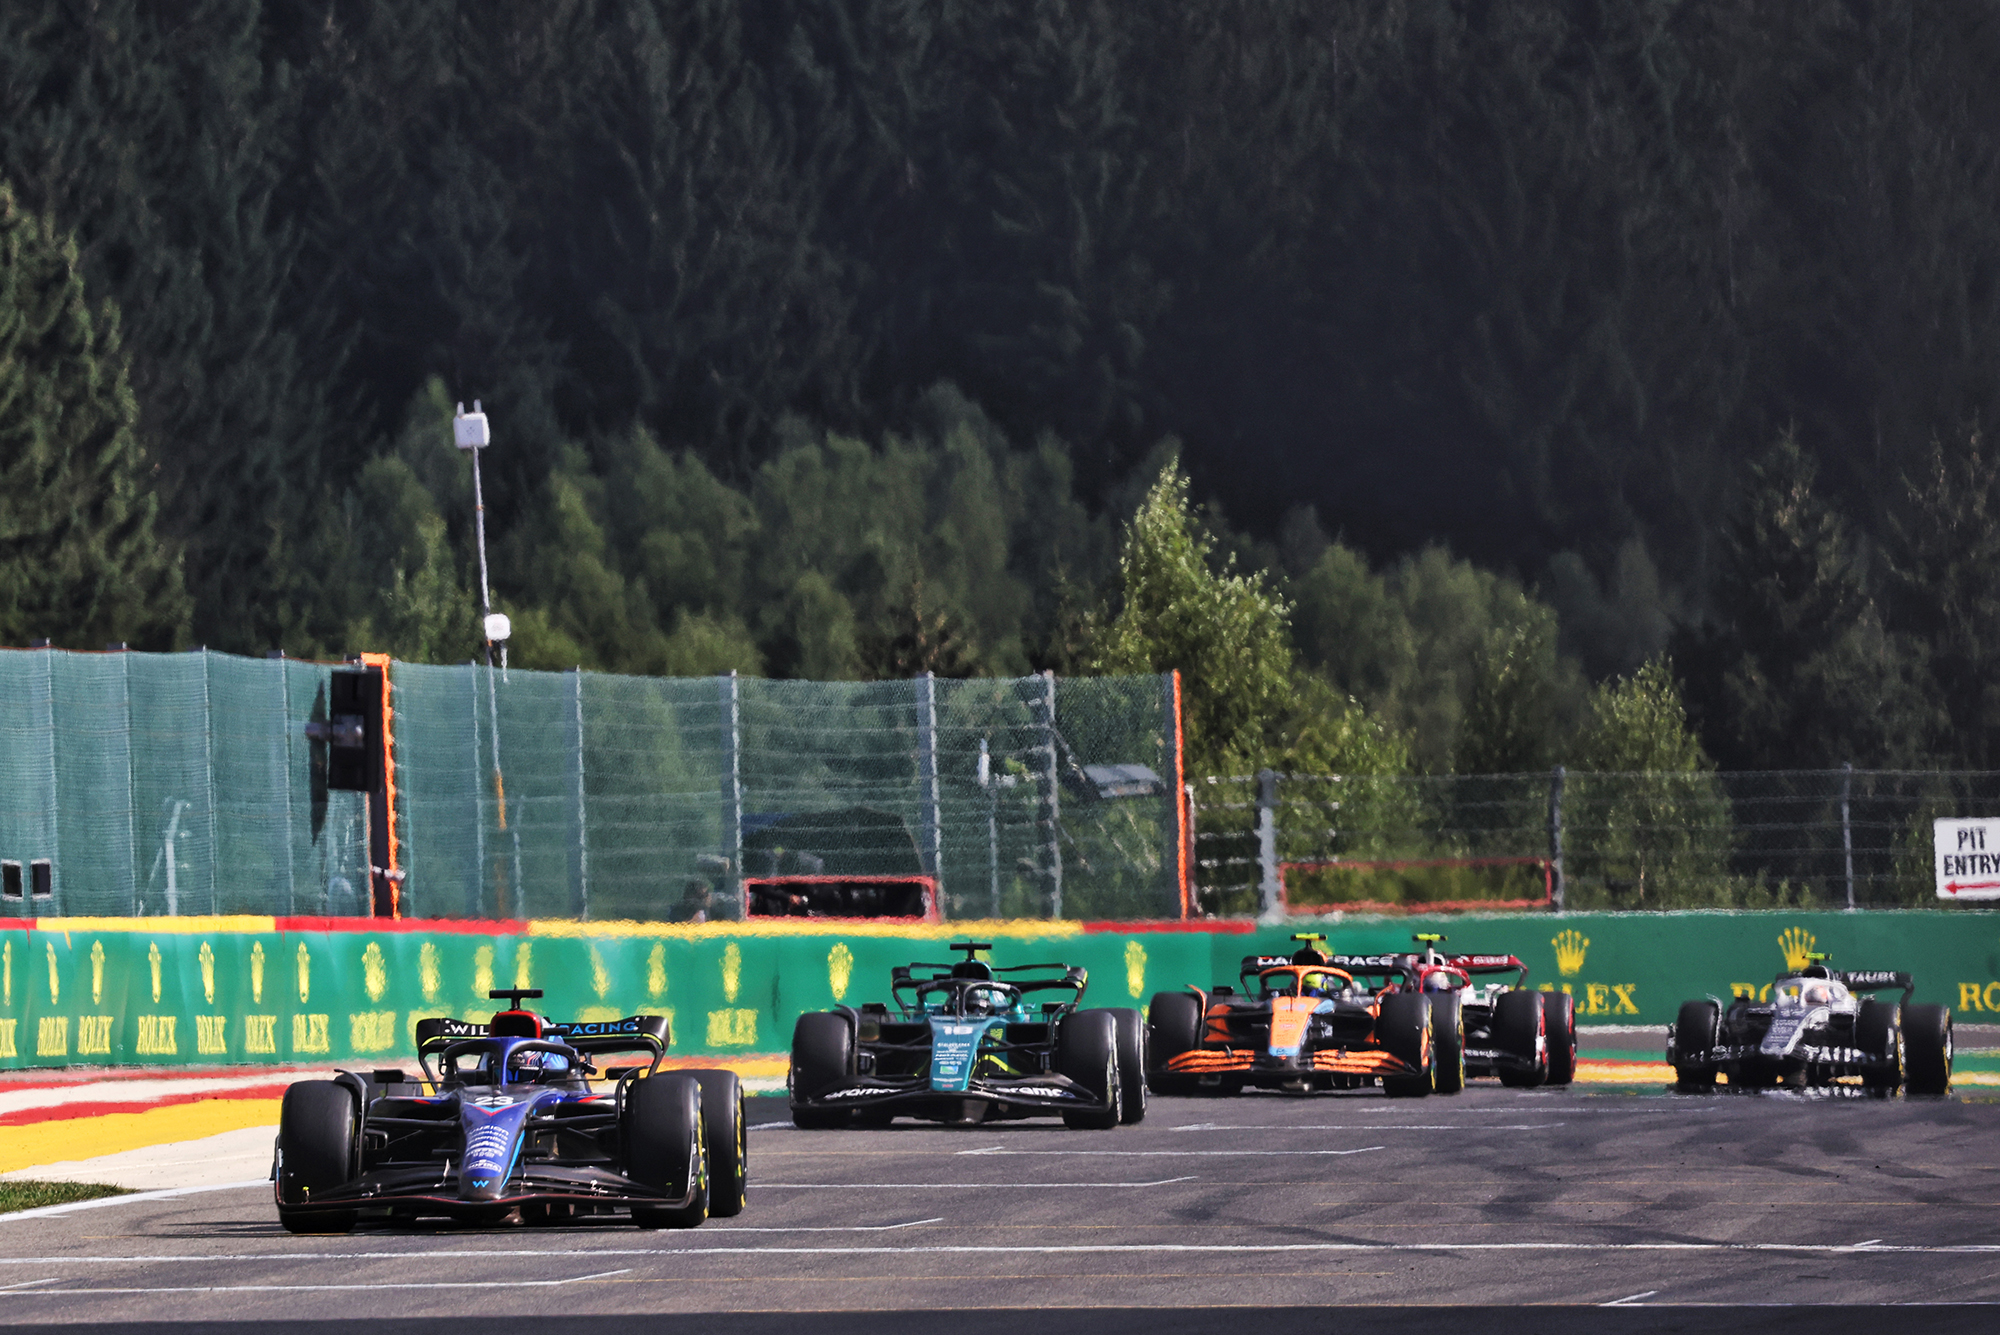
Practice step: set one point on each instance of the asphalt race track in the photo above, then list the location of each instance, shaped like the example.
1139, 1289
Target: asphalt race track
1315, 1213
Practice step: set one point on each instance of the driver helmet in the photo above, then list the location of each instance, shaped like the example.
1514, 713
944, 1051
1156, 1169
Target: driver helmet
1817, 994
1439, 981
535, 1063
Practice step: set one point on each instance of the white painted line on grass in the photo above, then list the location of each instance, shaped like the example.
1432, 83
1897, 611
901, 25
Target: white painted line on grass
999, 1151
130, 1198
315, 1288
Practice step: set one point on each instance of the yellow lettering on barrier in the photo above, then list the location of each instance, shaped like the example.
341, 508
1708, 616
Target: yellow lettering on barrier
735, 1028
1743, 991
1135, 969
7, 1038
93, 1034
260, 1034
1551, 987
1991, 996
52, 1036
1968, 996
156, 1036
1596, 999
211, 1034
371, 1031
310, 1034
1624, 1004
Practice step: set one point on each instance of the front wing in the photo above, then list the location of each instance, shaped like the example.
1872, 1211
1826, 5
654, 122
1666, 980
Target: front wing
437, 1190
1033, 1094
1310, 1061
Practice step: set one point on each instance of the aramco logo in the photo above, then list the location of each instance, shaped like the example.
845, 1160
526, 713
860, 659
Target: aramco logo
1570, 947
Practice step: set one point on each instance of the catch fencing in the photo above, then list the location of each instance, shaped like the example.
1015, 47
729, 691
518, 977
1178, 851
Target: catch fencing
1778, 839
138, 785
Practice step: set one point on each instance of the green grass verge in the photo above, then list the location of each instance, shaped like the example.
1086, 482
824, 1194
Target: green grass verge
30, 1195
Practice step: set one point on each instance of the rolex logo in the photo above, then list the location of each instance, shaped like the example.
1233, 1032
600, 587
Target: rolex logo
1797, 943
1570, 947
1135, 968
839, 968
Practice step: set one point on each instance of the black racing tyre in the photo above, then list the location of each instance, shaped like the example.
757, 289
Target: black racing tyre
1927, 1049
664, 1148
1878, 1035
1087, 1052
1695, 1030
1131, 1034
1559, 1021
1403, 1028
1175, 1019
725, 1136
1520, 1028
822, 1059
1448, 1033
316, 1151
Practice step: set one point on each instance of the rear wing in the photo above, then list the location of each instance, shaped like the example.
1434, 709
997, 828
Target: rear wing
1074, 979
1876, 980
1471, 964
634, 1033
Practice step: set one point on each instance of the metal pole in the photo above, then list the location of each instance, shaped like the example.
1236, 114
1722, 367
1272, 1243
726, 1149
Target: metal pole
485, 600
579, 849
992, 791
1193, 845
1556, 887
1051, 797
732, 796
476, 905
927, 781
1267, 844
208, 764
1847, 828
291, 853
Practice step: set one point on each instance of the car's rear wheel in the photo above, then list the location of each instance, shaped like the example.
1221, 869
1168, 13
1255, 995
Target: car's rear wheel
664, 1148
1087, 1052
822, 1059
726, 1138
1927, 1049
1694, 1033
1559, 1018
1175, 1019
1131, 1037
1520, 1030
1448, 1033
1403, 1028
316, 1132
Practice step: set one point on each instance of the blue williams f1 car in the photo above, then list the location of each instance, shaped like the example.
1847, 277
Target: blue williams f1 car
515, 1116
966, 1043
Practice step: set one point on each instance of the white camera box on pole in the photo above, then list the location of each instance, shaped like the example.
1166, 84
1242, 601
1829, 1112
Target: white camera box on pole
1967, 857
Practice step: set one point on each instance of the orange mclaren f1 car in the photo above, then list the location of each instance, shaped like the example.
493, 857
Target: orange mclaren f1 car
1301, 1023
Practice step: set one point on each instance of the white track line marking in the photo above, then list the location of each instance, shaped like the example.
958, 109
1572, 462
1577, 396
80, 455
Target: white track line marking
1046, 1249
130, 1198
843, 1228
772, 1126
999, 1151
319, 1288
952, 1186
30, 1283
1630, 1300
1321, 1126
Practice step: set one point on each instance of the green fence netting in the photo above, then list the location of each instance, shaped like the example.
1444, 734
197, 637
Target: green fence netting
157, 784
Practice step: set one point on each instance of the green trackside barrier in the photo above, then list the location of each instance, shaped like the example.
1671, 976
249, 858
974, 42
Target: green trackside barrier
210, 992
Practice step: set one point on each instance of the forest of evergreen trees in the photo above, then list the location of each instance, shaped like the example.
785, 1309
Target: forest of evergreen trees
1516, 344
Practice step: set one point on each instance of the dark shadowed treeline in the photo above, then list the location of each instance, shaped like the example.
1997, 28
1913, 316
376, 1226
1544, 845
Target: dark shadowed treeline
841, 339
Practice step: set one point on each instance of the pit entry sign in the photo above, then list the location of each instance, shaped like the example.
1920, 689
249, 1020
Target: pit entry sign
1966, 853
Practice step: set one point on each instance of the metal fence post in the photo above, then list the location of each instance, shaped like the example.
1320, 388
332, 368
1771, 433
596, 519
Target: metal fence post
989, 783
579, 846
927, 781
1051, 796
1847, 828
732, 796
1267, 844
1556, 840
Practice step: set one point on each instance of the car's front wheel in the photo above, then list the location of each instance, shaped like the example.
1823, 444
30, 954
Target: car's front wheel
1087, 1052
316, 1131
1448, 1032
1403, 1028
1690, 1041
1175, 1019
725, 1137
664, 1148
822, 1059
1927, 1049
1520, 1029
1131, 1037
1559, 1017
